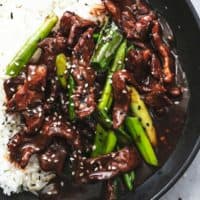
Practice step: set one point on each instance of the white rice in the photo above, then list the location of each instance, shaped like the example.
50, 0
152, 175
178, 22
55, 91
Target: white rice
27, 15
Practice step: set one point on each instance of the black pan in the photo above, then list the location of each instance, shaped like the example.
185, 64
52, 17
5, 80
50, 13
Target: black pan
186, 27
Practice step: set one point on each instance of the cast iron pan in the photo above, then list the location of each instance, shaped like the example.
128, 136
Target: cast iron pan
184, 22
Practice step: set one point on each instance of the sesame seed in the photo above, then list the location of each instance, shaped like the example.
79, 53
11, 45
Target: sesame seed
94, 147
81, 174
96, 169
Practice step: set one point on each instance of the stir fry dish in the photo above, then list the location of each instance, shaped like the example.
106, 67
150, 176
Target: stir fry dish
89, 102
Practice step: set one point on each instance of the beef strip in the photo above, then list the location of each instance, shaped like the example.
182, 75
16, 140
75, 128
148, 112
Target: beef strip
22, 146
11, 85
121, 96
53, 159
30, 93
29, 96
107, 166
84, 75
52, 94
51, 46
55, 127
157, 99
134, 18
164, 51
33, 119
72, 26
142, 63
147, 70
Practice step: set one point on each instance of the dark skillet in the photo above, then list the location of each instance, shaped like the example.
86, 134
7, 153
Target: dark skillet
183, 21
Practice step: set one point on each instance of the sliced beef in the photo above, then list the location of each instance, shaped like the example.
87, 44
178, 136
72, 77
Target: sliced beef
55, 127
164, 51
121, 96
53, 159
157, 99
23, 146
84, 75
11, 85
134, 18
33, 119
143, 63
51, 47
29, 97
52, 94
107, 166
72, 26
31, 93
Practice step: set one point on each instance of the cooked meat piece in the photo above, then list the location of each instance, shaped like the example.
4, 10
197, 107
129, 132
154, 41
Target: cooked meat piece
15, 142
142, 63
121, 96
72, 26
11, 85
133, 18
137, 63
156, 70
52, 46
23, 98
55, 127
51, 95
164, 51
64, 102
31, 93
53, 159
157, 99
107, 166
33, 119
21, 147
84, 75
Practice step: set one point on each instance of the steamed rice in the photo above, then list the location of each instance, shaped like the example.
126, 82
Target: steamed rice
27, 15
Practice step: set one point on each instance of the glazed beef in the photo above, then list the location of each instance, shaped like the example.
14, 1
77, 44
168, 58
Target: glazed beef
133, 18
22, 147
53, 159
72, 26
121, 96
107, 166
164, 51
84, 75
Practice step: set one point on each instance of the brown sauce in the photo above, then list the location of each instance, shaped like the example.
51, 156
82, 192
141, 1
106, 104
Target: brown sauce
169, 129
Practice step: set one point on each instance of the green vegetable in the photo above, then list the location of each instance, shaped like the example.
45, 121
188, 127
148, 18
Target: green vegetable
71, 108
96, 37
129, 179
105, 141
108, 42
122, 136
26, 52
140, 110
110, 143
118, 63
61, 69
141, 140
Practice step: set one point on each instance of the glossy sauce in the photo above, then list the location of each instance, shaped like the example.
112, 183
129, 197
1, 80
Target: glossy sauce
169, 129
